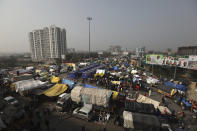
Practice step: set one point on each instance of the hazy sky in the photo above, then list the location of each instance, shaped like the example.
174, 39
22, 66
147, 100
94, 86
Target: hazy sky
156, 24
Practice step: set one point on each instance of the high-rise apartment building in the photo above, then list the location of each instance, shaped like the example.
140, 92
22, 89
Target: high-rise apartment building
48, 43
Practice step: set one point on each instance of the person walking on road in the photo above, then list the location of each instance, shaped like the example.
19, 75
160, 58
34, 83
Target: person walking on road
149, 92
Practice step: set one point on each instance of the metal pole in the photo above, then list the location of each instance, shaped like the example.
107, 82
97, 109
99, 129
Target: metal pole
89, 38
89, 19
175, 72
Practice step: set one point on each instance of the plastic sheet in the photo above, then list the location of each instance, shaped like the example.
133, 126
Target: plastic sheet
76, 94
26, 85
55, 79
56, 90
144, 99
128, 120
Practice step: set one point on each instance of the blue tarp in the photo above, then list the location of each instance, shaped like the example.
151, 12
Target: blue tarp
126, 64
115, 68
176, 86
90, 86
72, 75
92, 71
187, 104
70, 83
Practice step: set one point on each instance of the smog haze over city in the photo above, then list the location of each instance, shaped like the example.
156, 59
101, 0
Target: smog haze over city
156, 24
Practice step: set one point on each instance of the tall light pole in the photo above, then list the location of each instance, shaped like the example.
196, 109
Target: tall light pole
89, 19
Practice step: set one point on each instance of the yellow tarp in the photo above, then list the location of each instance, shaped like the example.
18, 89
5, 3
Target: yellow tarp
99, 74
55, 79
116, 82
56, 90
115, 95
172, 92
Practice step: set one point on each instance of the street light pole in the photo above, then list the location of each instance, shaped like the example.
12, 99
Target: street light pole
89, 19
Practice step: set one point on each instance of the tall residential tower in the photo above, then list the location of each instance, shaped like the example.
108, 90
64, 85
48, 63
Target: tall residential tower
48, 43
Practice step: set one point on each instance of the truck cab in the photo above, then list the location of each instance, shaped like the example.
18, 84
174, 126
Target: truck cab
64, 103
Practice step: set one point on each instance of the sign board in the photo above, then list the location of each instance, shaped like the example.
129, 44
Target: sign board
183, 62
154, 59
192, 58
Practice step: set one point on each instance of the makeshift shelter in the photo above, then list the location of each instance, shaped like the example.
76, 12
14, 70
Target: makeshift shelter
76, 94
144, 99
72, 74
115, 82
56, 90
141, 121
151, 80
139, 107
176, 86
55, 79
99, 97
115, 95
70, 83
28, 85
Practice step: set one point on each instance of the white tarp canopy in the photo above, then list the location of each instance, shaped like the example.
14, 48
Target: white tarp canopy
144, 99
99, 71
76, 94
128, 119
99, 97
151, 80
83, 64
26, 85
133, 71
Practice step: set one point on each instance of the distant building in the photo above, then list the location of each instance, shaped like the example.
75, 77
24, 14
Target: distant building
48, 43
187, 50
140, 52
115, 48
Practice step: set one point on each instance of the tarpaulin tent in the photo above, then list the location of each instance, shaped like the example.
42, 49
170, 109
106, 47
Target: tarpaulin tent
27, 85
55, 79
99, 97
128, 119
139, 107
70, 83
151, 80
76, 94
115, 68
115, 95
90, 86
139, 121
144, 99
176, 86
55, 90
115, 82
72, 74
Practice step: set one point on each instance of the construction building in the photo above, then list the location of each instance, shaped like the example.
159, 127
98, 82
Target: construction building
48, 43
